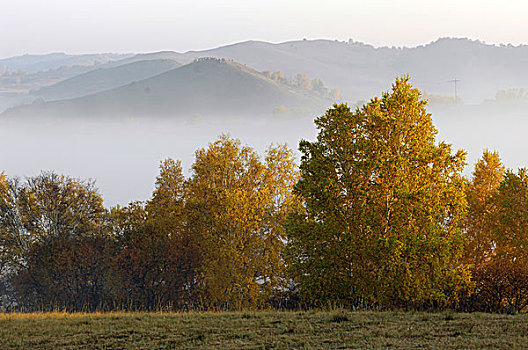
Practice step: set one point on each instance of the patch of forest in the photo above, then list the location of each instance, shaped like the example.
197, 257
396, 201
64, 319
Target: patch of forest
378, 214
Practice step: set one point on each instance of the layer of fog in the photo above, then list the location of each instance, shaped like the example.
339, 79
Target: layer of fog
123, 155
495, 127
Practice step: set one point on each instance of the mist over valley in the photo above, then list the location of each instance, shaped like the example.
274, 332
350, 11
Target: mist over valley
338, 174
113, 118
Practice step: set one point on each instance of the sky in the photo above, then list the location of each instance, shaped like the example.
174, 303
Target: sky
125, 26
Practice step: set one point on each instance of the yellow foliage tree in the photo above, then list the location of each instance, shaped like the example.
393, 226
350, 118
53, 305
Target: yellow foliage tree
158, 258
166, 207
480, 192
384, 207
501, 279
236, 207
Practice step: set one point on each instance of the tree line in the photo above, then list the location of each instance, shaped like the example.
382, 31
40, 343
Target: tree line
377, 215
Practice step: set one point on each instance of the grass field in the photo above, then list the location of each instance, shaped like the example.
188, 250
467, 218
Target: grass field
248, 330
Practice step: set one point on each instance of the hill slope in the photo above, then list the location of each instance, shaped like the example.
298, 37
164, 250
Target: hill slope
361, 70
35, 63
206, 87
103, 79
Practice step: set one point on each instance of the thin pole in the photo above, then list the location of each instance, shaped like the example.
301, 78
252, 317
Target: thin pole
456, 94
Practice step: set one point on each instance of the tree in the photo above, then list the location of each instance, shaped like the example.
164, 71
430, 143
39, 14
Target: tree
335, 94
384, 205
237, 204
502, 278
52, 206
68, 273
9, 246
511, 228
480, 192
15, 239
56, 224
159, 258
44, 208
167, 204
277, 76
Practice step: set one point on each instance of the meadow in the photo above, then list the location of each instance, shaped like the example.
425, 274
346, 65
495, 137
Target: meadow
335, 329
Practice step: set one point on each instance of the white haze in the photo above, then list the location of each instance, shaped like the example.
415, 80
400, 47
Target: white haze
476, 128
36, 26
123, 155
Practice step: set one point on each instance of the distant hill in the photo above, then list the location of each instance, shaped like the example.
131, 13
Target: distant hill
207, 87
362, 71
160, 55
36, 63
107, 78
359, 70
21, 75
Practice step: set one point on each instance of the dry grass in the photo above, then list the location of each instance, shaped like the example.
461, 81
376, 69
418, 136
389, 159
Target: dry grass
311, 329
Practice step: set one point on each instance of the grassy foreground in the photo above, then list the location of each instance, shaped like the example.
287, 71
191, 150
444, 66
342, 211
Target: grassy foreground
311, 329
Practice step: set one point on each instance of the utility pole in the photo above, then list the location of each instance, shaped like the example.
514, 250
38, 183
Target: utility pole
455, 81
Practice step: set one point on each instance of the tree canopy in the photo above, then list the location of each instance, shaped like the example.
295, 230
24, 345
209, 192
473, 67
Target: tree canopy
237, 204
384, 204
378, 214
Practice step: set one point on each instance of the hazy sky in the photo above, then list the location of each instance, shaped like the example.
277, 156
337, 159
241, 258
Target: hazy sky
36, 26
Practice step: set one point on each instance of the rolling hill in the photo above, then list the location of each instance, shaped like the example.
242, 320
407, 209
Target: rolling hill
207, 87
361, 70
36, 63
107, 78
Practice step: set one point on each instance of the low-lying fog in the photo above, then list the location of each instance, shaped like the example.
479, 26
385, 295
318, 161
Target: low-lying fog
486, 126
123, 155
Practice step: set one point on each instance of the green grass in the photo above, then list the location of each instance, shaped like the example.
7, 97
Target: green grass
260, 330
